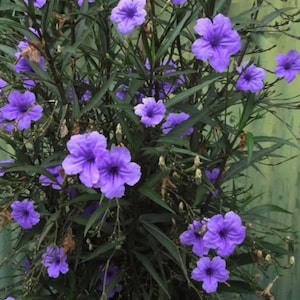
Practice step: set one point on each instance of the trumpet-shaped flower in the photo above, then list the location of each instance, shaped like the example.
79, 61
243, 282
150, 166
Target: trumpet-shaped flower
57, 173
210, 272
173, 120
37, 3
24, 214
128, 14
80, 2
150, 111
116, 170
5, 161
84, 149
288, 66
213, 174
55, 260
177, 2
106, 277
251, 78
194, 237
217, 42
224, 233
22, 109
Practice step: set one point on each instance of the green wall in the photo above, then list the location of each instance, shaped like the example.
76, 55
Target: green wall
280, 184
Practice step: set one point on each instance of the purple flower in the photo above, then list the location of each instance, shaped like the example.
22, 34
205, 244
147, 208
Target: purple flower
9, 298
22, 64
5, 161
105, 279
288, 65
57, 173
26, 265
213, 174
251, 78
80, 2
22, 109
5, 124
122, 91
152, 112
24, 214
177, 2
115, 171
55, 260
83, 93
194, 237
84, 149
90, 209
37, 3
218, 41
128, 14
2, 85
210, 272
224, 233
173, 120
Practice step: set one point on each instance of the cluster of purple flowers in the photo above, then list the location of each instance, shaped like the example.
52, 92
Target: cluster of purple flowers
98, 167
221, 233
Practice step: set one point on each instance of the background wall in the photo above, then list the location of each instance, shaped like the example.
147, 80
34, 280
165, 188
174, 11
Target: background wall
280, 184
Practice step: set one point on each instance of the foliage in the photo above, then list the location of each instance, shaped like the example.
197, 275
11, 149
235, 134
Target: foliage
92, 79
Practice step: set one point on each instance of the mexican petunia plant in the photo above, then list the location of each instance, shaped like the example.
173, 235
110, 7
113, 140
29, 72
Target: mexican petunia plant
121, 164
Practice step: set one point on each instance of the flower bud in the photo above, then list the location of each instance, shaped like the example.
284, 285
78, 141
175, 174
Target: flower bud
198, 176
292, 260
119, 133
197, 161
268, 258
162, 163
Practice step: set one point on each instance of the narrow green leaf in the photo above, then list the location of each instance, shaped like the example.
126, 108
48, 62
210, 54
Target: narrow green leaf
171, 36
149, 193
163, 240
100, 250
266, 208
49, 224
183, 96
149, 267
96, 100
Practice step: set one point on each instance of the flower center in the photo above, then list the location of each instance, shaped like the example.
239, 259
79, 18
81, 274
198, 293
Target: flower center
149, 113
215, 41
287, 66
248, 77
130, 12
209, 271
25, 213
223, 233
23, 108
114, 170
